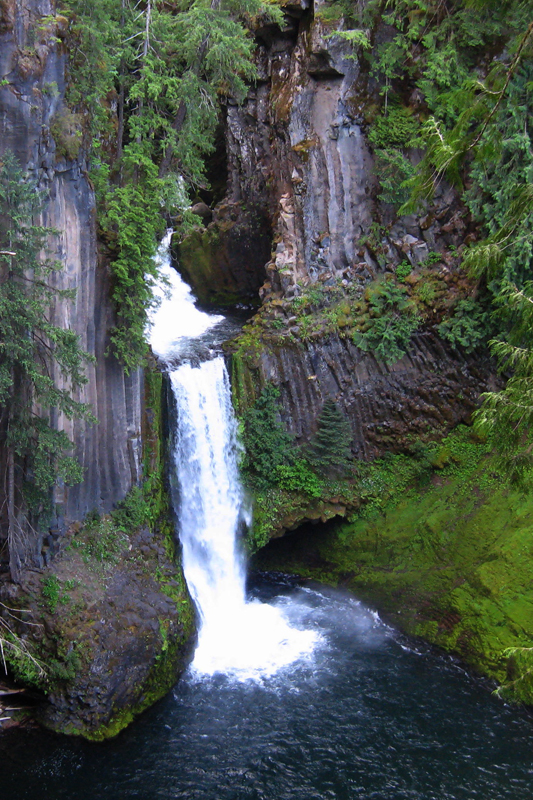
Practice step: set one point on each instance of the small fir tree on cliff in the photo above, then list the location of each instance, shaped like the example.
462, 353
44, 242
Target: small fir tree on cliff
34, 354
329, 450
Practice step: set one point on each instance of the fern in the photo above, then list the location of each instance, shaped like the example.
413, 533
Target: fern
467, 327
392, 320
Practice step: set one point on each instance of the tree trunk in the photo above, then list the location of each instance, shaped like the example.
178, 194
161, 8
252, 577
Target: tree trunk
12, 528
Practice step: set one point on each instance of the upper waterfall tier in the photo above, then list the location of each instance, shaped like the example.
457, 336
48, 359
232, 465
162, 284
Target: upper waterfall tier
179, 331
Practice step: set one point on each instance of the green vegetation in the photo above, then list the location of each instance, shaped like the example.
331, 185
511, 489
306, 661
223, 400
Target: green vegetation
298, 477
364, 490
32, 351
50, 591
15, 651
468, 326
391, 319
506, 416
267, 445
403, 270
271, 458
164, 65
284, 476
329, 451
379, 317
100, 540
444, 546
518, 686
398, 128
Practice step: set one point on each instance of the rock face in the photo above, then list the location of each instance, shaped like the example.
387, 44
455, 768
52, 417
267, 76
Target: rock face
298, 148
422, 396
32, 113
224, 261
300, 168
115, 618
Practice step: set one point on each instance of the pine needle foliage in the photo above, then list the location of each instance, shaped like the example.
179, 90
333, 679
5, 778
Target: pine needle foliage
41, 364
506, 417
391, 320
329, 450
267, 443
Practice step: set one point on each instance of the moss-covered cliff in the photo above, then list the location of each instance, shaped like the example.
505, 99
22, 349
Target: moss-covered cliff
445, 552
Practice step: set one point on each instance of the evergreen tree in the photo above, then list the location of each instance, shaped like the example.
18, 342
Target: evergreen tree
506, 417
330, 448
167, 63
32, 349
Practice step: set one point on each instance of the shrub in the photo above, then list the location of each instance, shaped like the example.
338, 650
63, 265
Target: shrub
298, 477
65, 128
267, 444
397, 128
467, 327
132, 512
392, 320
403, 270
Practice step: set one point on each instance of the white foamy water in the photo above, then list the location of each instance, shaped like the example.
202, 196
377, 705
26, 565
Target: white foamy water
243, 639
176, 319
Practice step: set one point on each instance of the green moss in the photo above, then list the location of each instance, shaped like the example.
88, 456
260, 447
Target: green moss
66, 130
165, 670
450, 562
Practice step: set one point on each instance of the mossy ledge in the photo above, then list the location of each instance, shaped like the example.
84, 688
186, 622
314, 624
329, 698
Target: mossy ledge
110, 620
445, 554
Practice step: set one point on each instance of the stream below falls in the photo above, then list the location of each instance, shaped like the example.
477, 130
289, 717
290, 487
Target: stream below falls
296, 691
370, 716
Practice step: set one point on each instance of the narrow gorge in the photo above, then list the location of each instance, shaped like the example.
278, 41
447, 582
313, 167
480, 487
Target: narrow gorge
281, 478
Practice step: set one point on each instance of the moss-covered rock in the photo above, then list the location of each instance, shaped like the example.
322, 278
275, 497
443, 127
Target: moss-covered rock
112, 626
224, 262
110, 621
451, 562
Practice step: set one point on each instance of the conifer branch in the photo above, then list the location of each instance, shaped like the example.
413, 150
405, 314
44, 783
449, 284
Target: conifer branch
510, 73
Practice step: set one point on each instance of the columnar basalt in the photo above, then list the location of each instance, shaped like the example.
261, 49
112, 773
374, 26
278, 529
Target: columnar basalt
110, 618
33, 62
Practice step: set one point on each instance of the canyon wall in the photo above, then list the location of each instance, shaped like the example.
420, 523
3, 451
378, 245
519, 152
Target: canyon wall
299, 155
115, 620
33, 63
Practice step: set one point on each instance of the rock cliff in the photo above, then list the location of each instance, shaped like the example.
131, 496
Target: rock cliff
432, 547
109, 616
34, 122
299, 154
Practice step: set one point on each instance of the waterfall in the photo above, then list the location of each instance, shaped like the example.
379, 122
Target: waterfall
236, 637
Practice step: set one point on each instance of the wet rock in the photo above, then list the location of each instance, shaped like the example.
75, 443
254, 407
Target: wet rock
422, 396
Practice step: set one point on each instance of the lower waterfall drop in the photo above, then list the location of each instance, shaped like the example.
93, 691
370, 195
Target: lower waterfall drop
239, 638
